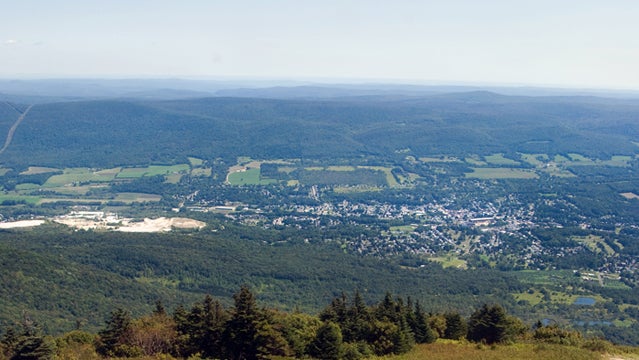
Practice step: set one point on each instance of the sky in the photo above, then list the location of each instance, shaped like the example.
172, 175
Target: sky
564, 43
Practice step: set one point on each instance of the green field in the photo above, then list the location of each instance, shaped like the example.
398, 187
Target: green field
201, 172
592, 242
153, 170
137, 197
248, 177
34, 170
537, 160
450, 261
195, 161
501, 173
79, 175
32, 200
499, 159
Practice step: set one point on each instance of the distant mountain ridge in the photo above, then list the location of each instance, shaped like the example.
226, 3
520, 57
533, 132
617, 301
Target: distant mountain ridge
100, 133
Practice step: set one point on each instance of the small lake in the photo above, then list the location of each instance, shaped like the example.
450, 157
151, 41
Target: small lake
588, 301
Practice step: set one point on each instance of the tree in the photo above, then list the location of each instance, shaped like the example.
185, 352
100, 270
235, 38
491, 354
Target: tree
456, 327
249, 334
113, 339
419, 325
490, 324
327, 343
28, 343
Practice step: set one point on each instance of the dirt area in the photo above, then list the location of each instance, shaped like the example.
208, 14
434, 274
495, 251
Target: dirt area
629, 195
129, 225
21, 224
161, 224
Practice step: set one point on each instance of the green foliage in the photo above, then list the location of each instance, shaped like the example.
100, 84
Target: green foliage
327, 344
112, 340
491, 324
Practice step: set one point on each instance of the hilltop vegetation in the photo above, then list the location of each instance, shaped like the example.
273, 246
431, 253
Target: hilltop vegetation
345, 329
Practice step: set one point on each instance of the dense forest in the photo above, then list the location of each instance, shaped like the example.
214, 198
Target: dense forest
110, 133
348, 328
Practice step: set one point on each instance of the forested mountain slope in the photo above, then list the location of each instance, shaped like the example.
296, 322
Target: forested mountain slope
125, 132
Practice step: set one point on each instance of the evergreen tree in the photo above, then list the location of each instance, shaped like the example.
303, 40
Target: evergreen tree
456, 327
421, 329
28, 343
249, 334
111, 339
490, 324
327, 343
357, 327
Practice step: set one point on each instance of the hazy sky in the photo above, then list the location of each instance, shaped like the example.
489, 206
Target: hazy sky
585, 43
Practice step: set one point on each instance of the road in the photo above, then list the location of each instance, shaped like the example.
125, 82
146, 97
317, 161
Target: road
7, 142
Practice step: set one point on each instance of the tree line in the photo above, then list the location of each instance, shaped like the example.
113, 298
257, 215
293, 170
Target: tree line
345, 329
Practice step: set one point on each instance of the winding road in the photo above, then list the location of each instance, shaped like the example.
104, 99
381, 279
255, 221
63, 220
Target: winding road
7, 142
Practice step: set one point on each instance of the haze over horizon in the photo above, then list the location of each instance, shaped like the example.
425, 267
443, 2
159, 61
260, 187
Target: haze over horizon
574, 44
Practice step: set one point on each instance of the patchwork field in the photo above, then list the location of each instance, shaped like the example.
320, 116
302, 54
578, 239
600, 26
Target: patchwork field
501, 173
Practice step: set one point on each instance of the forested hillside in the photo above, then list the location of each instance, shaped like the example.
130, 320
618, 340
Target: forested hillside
113, 133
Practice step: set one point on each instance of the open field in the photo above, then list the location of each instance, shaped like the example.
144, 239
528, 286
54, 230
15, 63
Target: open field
629, 195
137, 197
501, 173
79, 175
16, 198
499, 159
4, 171
34, 170
440, 159
450, 261
248, 177
455, 350
594, 243
153, 170
201, 172
195, 161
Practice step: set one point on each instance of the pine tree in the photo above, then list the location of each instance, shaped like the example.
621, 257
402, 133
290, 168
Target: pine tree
327, 344
118, 327
489, 324
456, 327
249, 334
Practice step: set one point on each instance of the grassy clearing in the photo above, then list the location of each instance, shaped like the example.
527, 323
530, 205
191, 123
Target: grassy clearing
546, 277
407, 229
440, 159
475, 160
248, 177
195, 161
355, 189
173, 178
32, 200
153, 170
537, 160
450, 350
34, 170
450, 261
390, 179
27, 186
137, 197
499, 159
501, 173
592, 242
340, 168
79, 175
201, 172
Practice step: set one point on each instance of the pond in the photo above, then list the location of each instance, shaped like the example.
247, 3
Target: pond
588, 301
